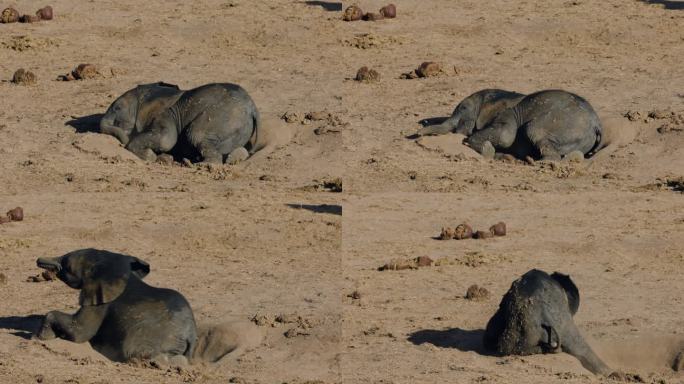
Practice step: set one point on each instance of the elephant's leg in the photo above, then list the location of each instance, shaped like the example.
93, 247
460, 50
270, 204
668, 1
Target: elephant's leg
499, 135
78, 328
160, 137
210, 154
574, 344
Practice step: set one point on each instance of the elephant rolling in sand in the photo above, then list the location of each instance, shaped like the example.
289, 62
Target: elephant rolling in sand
125, 319
210, 123
535, 316
544, 125
475, 112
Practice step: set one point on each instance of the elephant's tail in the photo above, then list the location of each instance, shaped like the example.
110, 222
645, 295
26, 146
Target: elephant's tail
218, 341
254, 139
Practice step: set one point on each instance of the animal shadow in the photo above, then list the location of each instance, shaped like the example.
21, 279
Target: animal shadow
461, 339
319, 208
330, 6
90, 123
668, 4
25, 326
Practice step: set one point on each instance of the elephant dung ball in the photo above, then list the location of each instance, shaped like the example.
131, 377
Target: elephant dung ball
45, 13
463, 231
423, 261
428, 69
85, 71
29, 19
371, 16
352, 13
48, 275
16, 214
366, 75
447, 233
24, 77
9, 15
389, 11
483, 235
498, 229
477, 293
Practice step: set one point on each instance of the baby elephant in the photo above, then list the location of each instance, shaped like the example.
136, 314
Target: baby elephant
208, 123
547, 124
535, 316
475, 112
122, 317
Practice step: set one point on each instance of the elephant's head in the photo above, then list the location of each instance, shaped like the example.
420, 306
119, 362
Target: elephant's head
535, 316
133, 110
100, 275
462, 120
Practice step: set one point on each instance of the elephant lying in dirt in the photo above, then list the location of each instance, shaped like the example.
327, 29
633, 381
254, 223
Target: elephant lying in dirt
535, 316
544, 125
125, 319
211, 123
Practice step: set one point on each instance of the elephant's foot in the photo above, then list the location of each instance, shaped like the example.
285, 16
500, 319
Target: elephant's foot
45, 332
487, 151
174, 361
574, 157
238, 155
145, 154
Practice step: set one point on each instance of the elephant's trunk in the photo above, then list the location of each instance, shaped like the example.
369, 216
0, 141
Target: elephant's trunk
574, 344
50, 263
108, 128
440, 129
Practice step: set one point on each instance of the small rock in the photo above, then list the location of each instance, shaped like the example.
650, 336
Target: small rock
9, 15
356, 295
24, 77
412, 175
498, 229
463, 231
483, 235
423, 261
389, 11
292, 332
16, 214
366, 75
292, 117
39, 378
428, 69
477, 293
333, 185
352, 13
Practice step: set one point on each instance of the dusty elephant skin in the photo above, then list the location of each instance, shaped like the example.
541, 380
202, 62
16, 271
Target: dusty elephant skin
207, 123
122, 317
547, 124
475, 112
535, 316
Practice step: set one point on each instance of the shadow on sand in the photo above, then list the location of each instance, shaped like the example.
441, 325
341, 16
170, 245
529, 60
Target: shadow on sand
319, 208
331, 6
668, 4
461, 339
90, 123
25, 326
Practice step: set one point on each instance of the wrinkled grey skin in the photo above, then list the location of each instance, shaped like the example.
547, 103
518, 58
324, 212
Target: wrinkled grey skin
535, 316
122, 317
545, 125
207, 123
475, 112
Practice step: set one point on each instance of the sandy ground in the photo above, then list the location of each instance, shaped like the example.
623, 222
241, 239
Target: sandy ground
266, 238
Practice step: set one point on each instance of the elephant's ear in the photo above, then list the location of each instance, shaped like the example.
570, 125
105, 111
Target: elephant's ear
571, 290
139, 267
107, 277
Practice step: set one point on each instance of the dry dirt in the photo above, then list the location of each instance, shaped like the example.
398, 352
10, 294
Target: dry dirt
268, 237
